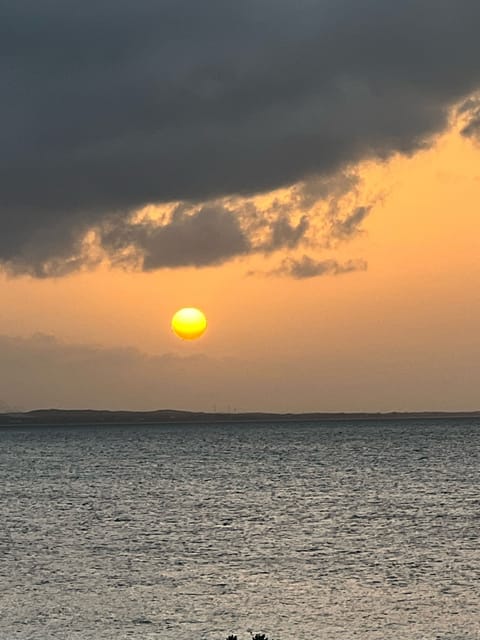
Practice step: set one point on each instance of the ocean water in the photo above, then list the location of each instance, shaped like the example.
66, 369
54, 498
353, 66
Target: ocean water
190, 532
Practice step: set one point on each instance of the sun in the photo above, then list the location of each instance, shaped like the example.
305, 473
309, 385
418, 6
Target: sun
189, 323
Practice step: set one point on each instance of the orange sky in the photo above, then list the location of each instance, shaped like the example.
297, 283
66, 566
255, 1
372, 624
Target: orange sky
411, 320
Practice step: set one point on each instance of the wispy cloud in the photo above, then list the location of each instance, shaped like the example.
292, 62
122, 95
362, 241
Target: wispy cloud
345, 227
307, 267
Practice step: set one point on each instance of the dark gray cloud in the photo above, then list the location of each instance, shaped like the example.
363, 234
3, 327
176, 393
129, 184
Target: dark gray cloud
107, 106
208, 236
308, 267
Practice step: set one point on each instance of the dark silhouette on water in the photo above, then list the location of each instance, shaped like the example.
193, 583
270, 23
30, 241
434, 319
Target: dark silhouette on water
257, 636
63, 417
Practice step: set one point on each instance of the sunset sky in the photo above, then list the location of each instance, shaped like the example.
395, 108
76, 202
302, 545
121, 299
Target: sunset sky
307, 173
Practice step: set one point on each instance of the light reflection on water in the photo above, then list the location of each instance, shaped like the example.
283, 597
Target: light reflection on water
190, 532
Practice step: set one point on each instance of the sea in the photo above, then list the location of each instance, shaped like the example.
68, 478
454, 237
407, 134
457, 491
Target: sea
300, 531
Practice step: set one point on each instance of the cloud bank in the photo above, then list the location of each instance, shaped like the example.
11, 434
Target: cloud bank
44, 372
110, 106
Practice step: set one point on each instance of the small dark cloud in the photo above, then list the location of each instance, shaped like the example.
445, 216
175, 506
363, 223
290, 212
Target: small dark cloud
350, 225
208, 236
109, 106
307, 267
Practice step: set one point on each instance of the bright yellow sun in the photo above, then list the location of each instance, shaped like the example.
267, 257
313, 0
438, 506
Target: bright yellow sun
189, 323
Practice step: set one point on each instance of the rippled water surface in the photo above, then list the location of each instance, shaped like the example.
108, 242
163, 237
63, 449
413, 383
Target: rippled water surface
190, 532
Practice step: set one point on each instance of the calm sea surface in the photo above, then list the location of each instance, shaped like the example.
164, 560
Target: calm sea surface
188, 532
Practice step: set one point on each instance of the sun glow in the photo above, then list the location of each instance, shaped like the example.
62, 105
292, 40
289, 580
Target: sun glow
189, 323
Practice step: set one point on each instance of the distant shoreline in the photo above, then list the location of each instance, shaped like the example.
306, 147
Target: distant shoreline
71, 417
